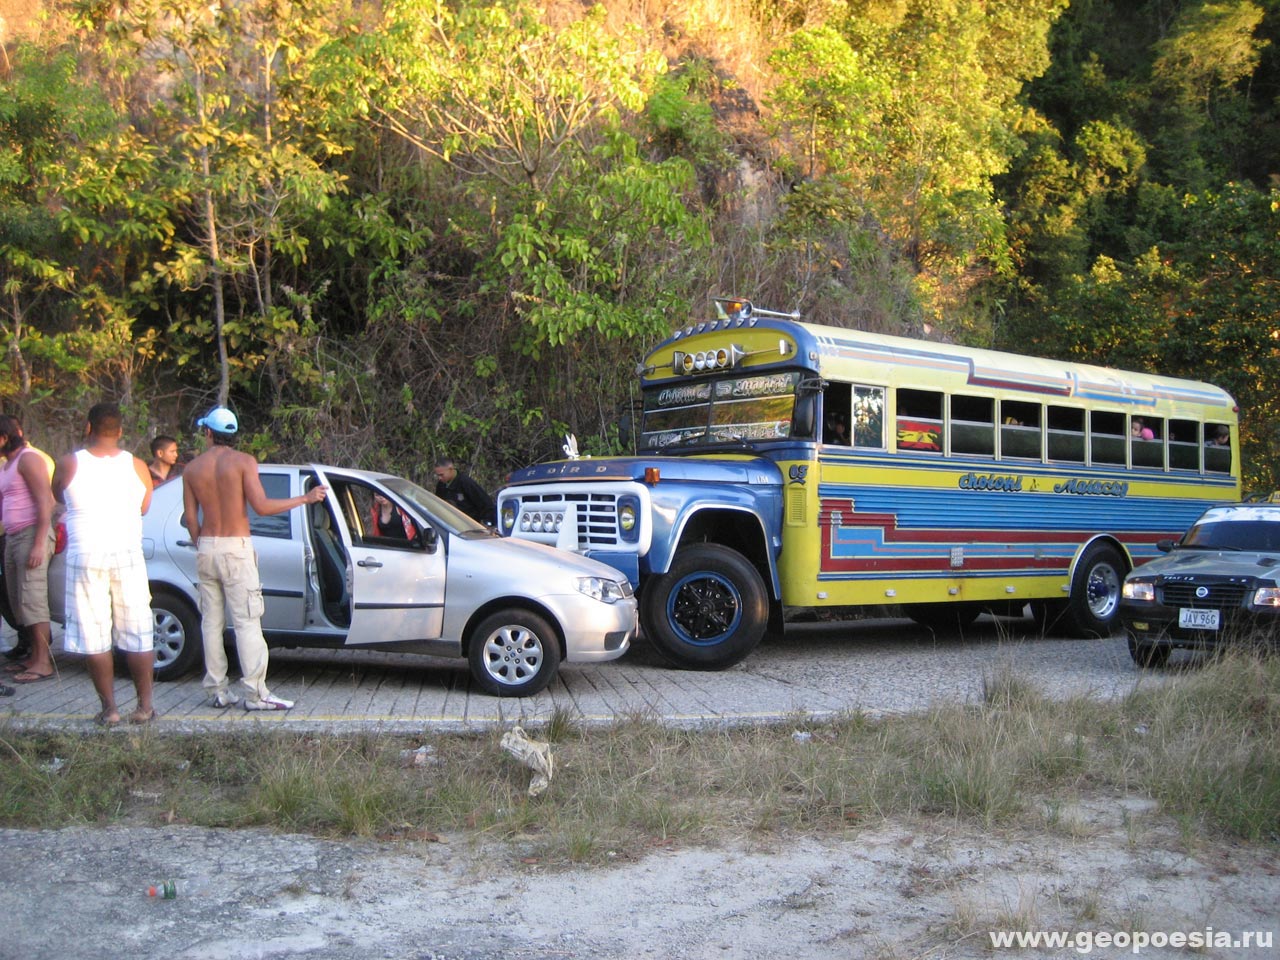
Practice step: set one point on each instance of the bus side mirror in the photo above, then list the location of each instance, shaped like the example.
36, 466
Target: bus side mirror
806, 414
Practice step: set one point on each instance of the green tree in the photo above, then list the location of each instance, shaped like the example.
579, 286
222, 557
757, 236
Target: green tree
82, 216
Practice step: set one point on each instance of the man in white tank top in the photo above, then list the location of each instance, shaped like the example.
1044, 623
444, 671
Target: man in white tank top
107, 490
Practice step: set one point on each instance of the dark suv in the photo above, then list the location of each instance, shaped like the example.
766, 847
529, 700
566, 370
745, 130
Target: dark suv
1219, 584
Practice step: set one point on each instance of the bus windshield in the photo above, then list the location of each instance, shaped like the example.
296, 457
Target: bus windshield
734, 409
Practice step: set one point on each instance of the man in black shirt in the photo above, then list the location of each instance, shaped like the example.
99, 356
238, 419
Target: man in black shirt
463, 492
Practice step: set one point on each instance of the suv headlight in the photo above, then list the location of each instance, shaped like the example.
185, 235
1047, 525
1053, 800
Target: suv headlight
606, 591
1266, 597
1143, 591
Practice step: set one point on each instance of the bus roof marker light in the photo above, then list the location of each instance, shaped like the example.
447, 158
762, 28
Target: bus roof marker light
652, 475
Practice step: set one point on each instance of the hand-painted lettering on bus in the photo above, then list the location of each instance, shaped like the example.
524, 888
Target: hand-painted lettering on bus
991, 482
1093, 488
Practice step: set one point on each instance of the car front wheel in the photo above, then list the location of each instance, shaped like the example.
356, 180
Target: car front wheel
514, 653
178, 645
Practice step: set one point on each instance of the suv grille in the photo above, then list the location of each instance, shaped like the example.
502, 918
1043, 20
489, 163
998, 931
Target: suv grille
597, 514
1222, 596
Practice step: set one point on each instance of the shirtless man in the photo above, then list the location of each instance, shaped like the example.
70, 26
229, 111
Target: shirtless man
217, 486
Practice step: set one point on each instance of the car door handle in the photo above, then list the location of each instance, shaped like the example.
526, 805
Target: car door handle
368, 563
185, 543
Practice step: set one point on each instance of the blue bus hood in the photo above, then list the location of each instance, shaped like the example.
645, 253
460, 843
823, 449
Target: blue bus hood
754, 471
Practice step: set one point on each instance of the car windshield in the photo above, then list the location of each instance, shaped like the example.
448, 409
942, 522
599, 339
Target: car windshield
1254, 535
447, 515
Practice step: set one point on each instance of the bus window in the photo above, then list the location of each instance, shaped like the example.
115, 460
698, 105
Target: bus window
1020, 429
1146, 437
919, 415
1217, 448
973, 429
835, 414
1066, 434
1107, 437
1184, 445
868, 417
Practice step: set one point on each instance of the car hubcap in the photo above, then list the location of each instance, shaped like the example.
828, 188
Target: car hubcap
513, 654
169, 637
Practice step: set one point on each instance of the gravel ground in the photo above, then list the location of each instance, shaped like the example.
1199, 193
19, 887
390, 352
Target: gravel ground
898, 889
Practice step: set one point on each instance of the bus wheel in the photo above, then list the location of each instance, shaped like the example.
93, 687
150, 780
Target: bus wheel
708, 611
943, 617
1095, 593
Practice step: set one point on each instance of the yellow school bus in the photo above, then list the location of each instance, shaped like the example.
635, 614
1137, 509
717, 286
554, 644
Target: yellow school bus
784, 465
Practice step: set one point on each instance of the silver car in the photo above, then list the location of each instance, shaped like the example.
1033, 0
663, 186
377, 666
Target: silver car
514, 609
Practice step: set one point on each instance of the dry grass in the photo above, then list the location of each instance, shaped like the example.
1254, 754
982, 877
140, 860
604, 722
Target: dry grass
1205, 746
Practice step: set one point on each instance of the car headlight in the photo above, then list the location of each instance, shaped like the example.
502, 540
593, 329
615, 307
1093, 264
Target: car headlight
606, 591
1143, 591
1266, 597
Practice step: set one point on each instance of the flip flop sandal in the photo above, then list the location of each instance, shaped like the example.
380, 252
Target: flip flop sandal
102, 721
138, 717
31, 677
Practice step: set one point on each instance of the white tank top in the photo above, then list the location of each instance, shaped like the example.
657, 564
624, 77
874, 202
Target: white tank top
104, 504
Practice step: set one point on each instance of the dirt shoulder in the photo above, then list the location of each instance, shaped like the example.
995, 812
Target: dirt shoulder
898, 889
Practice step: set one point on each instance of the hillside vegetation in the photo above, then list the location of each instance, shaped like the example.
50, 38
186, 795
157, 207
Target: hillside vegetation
385, 233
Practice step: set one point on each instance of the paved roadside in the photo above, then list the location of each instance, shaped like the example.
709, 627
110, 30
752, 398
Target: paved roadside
818, 670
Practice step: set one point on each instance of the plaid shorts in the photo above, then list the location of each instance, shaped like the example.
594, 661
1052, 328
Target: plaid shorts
108, 598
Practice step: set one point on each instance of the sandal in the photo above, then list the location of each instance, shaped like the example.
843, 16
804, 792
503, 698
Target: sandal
103, 719
138, 717
30, 676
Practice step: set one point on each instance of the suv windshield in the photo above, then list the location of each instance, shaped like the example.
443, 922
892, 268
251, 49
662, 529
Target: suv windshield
1211, 533
725, 410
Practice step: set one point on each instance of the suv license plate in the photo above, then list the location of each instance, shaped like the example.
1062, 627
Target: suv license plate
1198, 619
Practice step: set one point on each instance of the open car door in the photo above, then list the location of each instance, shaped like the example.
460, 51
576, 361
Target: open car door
394, 586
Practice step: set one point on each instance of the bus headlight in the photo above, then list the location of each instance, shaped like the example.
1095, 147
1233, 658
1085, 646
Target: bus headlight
606, 591
1143, 591
629, 517
507, 516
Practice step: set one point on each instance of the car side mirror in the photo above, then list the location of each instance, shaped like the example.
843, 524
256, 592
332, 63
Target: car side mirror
1164, 546
430, 539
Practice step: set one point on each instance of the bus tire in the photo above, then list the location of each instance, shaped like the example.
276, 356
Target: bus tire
1095, 593
708, 611
943, 617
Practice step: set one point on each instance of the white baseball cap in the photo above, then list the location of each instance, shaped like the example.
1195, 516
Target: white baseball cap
220, 420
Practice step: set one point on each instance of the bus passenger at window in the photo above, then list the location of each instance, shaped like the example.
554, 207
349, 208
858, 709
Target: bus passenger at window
837, 430
1139, 431
1221, 437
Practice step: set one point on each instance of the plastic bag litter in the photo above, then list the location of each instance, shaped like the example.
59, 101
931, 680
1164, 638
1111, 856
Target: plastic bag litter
534, 754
